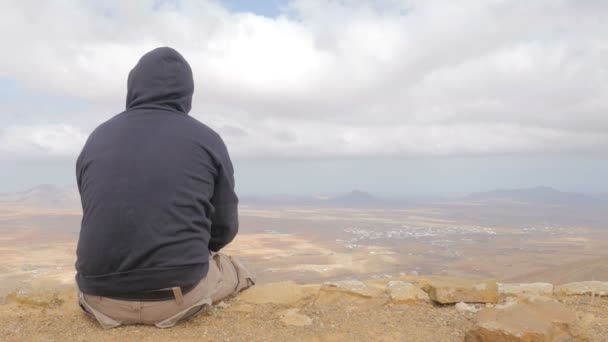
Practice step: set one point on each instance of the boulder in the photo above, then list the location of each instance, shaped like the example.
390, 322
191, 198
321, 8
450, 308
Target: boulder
448, 290
592, 288
403, 292
546, 321
292, 317
285, 293
535, 289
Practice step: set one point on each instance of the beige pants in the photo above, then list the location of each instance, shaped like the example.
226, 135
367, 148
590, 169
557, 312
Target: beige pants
226, 276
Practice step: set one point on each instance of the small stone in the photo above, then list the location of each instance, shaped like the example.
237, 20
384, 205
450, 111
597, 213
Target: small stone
463, 307
222, 305
293, 318
589, 288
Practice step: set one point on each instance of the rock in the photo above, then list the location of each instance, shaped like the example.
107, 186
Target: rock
294, 318
353, 287
402, 292
536, 289
534, 298
349, 294
447, 290
464, 307
285, 293
377, 283
530, 322
509, 301
593, 288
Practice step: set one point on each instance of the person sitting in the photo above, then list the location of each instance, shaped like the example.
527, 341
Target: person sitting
158, 199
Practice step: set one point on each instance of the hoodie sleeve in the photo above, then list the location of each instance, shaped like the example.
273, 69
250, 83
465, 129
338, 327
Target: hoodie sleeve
224, 220
80, 162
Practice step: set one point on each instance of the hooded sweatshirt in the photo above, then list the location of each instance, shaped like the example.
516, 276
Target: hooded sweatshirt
156, 185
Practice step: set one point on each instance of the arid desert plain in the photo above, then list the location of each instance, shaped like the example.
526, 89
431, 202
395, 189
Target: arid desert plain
560, 239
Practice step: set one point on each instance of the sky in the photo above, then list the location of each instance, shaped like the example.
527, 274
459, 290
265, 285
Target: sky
394, 97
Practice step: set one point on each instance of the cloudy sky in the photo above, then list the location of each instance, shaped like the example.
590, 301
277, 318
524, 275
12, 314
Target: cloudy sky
395, 97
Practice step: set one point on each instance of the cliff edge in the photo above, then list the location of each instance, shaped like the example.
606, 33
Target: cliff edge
409, 308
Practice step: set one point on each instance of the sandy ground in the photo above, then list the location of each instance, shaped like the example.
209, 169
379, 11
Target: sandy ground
57, 318
64, 322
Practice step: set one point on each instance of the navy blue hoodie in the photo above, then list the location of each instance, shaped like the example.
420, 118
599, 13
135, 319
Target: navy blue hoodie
156, 185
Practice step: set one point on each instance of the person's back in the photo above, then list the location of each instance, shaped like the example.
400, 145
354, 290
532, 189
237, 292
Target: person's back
157, 191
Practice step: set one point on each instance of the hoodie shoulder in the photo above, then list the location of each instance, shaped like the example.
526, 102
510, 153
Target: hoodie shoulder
204, 131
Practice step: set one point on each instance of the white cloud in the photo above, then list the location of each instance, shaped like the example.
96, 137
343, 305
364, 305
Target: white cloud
331, 78
41, 140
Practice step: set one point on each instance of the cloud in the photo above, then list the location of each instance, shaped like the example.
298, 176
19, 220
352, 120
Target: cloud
41, 141
328, 78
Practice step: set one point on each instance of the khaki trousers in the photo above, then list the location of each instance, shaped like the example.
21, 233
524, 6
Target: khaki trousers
226, 276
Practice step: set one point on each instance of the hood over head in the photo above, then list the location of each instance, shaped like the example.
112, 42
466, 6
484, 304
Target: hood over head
161, 79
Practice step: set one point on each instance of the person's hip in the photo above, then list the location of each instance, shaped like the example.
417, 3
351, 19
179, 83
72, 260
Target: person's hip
166, 307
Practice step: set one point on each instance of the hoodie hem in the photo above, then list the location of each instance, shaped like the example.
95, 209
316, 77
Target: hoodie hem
141, 280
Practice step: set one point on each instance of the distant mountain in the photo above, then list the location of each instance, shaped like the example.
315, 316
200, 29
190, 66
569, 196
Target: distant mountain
355, 198
53, 196
600, 196
536, 195
44, 195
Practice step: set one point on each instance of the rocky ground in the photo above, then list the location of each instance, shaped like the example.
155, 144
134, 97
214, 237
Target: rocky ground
405, 309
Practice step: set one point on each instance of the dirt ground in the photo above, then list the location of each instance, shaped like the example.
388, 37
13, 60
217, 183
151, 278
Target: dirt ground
56, 317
